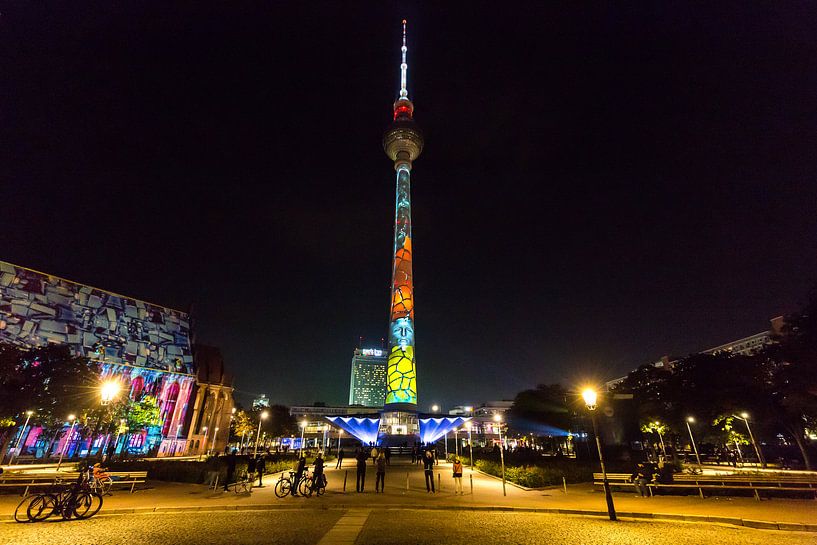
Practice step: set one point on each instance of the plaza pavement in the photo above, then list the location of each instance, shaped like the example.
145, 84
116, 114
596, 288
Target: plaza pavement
785, 514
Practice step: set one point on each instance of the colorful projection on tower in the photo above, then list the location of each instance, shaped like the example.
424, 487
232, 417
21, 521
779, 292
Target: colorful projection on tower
401, 371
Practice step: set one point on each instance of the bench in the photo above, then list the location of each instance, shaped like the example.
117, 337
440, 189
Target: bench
33, 480
754, 482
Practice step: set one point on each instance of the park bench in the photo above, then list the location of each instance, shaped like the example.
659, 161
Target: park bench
745, 481
34, 480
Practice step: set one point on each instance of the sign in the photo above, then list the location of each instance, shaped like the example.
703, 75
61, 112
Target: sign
372, 352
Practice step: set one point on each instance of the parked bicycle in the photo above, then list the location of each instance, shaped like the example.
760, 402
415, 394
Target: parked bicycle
76, 500
283, 487
243, 483
306, 485
100, 481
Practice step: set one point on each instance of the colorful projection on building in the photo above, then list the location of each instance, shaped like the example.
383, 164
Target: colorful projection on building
37, 309
401, 372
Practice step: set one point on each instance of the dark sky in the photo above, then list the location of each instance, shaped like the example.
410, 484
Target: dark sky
601, 184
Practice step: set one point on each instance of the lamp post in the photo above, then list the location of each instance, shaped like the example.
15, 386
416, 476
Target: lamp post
498, 420
21, 438
691, 420
204, 445
303, 427
261, 417
745, 417
340, 436
73, 420
590, 396
108, 392
456, 442
470, 445
213, 442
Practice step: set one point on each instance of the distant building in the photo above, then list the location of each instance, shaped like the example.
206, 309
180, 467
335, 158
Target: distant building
461, 410
260, 402
367, 386
490, 408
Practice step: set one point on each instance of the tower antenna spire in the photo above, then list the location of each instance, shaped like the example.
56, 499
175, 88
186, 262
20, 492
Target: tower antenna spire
403, 66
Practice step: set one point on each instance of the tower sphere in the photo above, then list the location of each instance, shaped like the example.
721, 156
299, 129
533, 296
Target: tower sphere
403, 141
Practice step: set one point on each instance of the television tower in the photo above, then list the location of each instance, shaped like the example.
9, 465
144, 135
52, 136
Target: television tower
403, 143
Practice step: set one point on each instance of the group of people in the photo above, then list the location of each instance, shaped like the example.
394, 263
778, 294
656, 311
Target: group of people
256, 467
318, 478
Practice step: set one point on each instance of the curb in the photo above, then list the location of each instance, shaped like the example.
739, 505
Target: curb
672, 517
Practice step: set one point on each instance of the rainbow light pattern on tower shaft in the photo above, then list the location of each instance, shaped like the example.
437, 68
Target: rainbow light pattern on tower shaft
403, 143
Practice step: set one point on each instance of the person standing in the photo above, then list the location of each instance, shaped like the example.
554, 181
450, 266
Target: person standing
230, 469
341, 454
428, 465
387, 452
457, 469
414, 454
317, 474
251, 469
361, 457
261, 467
299, 473
380, 480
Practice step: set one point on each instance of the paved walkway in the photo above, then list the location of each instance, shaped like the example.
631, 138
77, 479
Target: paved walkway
487, 494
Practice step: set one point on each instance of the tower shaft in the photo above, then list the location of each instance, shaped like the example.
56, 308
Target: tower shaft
401, 371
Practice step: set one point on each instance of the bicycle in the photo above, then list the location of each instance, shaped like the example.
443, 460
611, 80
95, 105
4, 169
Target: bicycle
305, 486
101, 481
283, 486
243, 484
77, 500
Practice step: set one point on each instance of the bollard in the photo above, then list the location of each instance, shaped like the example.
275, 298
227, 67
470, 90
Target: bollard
564, 484
345, 475
407, 480
471, 478
215, 486
439, 482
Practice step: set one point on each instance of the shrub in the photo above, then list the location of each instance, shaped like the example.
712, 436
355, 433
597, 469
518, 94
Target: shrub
536, 476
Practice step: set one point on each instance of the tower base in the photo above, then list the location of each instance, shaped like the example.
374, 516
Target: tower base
398, 428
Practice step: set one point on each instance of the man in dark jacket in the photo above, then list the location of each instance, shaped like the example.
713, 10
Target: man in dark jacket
641, 478
261, 468
317, 474
361, 457
230, 469
341, 455
299, 473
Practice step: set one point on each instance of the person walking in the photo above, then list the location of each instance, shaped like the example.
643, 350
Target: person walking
251, 469
428, 465
380, 481
457, 469
414, 454
261, 468
341, 455
231, 459
387, 452
361, 457
317, 474
299, 473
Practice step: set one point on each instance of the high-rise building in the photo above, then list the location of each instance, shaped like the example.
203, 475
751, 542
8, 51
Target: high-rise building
367, 385
260, 402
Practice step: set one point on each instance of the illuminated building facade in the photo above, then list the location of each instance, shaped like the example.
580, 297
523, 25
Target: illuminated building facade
367, 385
143, 346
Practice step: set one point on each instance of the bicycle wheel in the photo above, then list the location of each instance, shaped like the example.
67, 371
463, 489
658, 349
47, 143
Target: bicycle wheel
322, 487
21, 513
87, 504
304, 486
103, 485
282, 488
41, 507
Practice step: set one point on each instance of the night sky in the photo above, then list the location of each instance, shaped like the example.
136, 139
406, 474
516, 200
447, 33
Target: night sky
601, 184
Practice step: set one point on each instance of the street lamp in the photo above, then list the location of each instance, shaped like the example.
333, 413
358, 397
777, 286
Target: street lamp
213, 442
691, 420
204, 445
303, 427
109, 390
73, 420
470, 445
261, 417
498, 420
590, 396
435, 408
325, 429
745, 417
456, 442
22, 436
